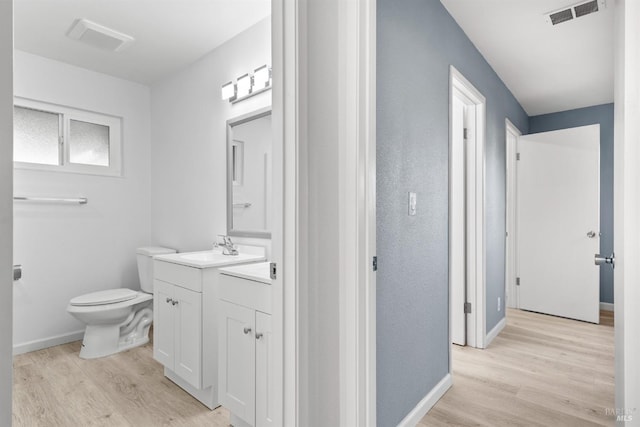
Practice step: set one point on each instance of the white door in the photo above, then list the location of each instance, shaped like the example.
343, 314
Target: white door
187, 306
237, 360
458, 258
558, 220
265, 396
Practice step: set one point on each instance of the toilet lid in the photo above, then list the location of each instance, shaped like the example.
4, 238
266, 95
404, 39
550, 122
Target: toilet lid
109, 296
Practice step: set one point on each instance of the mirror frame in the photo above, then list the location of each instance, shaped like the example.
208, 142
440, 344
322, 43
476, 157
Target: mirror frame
236, 121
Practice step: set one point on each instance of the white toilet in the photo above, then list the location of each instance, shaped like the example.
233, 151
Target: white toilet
118, 319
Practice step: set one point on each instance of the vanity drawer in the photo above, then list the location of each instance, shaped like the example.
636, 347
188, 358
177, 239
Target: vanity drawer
180, 275
249, 293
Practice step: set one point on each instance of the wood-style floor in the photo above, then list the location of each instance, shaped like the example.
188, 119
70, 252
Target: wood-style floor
540, 371
54, 387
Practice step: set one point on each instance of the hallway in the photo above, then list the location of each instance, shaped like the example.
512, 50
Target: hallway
540, 371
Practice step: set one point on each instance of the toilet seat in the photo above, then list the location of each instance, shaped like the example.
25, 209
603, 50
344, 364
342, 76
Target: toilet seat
110, 296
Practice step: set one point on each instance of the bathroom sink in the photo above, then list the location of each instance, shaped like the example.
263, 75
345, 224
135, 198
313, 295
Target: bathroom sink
207, 256
215, 258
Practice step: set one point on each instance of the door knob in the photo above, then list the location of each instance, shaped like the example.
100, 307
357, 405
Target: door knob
258, 335
591, 234
602, 260
247, 330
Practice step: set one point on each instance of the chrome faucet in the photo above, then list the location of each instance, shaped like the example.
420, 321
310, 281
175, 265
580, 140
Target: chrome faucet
228, 248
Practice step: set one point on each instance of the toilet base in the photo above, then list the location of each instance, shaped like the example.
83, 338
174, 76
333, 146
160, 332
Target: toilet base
105, 340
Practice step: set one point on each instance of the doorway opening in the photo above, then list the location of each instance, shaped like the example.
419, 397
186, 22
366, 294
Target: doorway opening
466, 212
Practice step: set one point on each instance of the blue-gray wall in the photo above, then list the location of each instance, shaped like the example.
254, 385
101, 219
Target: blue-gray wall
417, 41
602, 114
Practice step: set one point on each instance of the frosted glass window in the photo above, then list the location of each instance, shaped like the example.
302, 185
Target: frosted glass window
35, 137
88, 143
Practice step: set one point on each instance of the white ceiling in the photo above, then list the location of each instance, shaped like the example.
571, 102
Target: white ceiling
169, 34
547, 68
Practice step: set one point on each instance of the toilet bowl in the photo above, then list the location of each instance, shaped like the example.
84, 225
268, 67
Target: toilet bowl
118, 319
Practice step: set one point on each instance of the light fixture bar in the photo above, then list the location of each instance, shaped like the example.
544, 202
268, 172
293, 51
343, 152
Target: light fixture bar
247, 85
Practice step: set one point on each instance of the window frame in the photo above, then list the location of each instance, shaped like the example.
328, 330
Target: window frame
66, 115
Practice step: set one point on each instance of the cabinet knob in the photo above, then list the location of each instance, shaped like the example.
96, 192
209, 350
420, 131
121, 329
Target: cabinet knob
258, 335
174, 302
169, 300
247, 330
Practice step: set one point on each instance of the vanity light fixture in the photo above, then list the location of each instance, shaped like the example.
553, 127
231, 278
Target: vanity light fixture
228, 91
261, 77
244, 85
247, 85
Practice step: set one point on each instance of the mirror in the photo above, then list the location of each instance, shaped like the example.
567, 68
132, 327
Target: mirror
249, 175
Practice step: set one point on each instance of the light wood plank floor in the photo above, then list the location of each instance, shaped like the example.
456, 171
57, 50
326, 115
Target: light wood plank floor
540, 371
54, 387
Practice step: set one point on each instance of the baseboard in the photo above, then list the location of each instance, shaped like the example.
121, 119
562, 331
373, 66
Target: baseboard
47, 342
427, 403
606, 306
495, 331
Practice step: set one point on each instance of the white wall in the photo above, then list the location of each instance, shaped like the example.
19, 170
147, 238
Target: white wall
189, 141
6, 178
68, 250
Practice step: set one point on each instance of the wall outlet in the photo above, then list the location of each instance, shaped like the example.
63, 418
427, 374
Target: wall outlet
499, 303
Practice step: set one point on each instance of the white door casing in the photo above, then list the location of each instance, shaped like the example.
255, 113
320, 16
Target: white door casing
627, 211
6, 209
475, 105
511, 140
558, 222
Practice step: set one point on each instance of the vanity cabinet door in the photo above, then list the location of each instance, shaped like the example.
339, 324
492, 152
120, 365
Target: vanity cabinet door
236, 376
188, 335
265, 401
163, 323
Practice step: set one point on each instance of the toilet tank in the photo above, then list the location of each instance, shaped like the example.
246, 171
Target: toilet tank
145, 265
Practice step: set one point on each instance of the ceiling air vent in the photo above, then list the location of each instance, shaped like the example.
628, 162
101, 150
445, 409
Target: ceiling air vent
575, 11
99, 36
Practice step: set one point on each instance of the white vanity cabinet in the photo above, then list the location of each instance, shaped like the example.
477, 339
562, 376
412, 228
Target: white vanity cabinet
185, 314
245, 354
178, 326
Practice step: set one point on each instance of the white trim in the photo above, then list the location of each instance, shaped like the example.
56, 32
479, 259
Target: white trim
476, 321
67, 114
606, 306
356, 25
427, 403
47, 342
495, 331
285, 241
627, 207
511, 215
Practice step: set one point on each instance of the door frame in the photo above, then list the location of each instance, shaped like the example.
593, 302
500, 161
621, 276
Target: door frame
511, 216
356, 78
476, 244
626, 209
6, 210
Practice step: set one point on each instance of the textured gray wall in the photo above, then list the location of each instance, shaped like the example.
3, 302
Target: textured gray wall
417, 41
602, 114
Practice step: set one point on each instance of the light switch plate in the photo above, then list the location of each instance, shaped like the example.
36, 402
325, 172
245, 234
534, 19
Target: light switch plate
412, 203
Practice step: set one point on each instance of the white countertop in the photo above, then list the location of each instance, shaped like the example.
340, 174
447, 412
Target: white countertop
258, 272
214, 258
